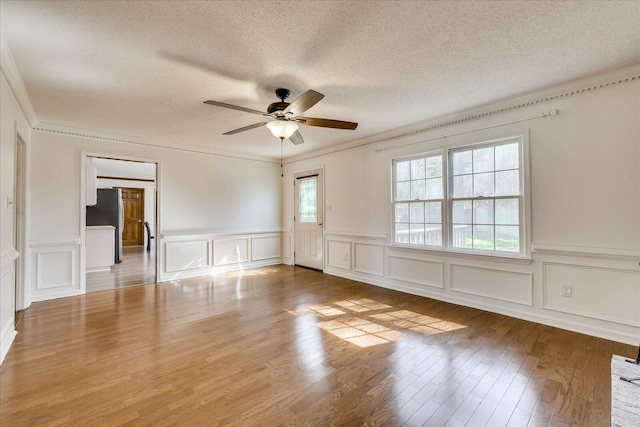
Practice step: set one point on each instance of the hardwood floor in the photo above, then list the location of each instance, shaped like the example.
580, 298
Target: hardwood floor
290, 346
137, 268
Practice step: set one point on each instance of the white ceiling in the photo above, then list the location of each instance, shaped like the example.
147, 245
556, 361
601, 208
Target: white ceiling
143, 69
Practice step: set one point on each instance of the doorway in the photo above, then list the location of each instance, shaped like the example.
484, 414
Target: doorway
126, 188
19, 221
308, 219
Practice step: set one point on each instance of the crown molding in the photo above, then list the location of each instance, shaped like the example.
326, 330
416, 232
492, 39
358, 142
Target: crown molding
12, 76
132, 140
558, 92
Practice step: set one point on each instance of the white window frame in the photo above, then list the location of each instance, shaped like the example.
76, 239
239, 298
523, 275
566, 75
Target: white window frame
447, 205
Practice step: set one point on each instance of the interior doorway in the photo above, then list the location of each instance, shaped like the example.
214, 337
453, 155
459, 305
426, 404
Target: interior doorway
121, 207
19, 217
308, 219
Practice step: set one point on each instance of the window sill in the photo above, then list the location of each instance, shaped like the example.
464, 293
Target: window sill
465, 255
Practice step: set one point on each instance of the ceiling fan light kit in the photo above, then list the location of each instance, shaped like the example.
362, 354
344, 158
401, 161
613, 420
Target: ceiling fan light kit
284, 116
282, 128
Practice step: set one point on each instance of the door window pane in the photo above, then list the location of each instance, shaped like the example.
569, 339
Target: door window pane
308, 200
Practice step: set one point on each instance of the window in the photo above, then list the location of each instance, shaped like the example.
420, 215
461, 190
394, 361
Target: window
479, 208
418, 200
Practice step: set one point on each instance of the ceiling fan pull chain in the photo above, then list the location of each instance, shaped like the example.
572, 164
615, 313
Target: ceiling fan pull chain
281, 156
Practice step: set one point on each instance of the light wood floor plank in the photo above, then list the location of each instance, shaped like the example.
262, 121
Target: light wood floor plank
290, 346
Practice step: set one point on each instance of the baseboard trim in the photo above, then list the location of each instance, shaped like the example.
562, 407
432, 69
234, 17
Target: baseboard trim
8, 335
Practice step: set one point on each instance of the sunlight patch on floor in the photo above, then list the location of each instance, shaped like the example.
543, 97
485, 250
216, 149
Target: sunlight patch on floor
374, 323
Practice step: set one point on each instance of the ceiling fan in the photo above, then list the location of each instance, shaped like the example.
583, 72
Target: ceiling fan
285, 117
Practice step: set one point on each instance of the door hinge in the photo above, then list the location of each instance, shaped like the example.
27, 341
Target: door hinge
294, 218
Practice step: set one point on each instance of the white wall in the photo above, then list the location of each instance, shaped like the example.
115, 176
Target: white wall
198, 194
585, 198
12, 120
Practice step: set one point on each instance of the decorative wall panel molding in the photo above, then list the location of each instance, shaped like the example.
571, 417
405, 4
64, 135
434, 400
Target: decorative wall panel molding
56, 269
181, 256
596, 292
265, 247
339, 254
230, 251
418, 271
368, 258
510, 286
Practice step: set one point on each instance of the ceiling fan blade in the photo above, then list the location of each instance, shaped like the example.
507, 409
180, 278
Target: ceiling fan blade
257, 125
327, 123
304, 102
296, 138
234, 107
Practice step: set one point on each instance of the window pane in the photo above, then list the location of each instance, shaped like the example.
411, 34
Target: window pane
507, 212
462, 162
308, 200
402, 212
462, 213
507, 157
508, 183
463, 186
403, 171
418, 191
417, 169
483, 160
403, 190
434, 167
483, 184
461, 236
417, 234
433, 235
402, 233
434, 188
507, 238
483, 237
433, 212
416, 214
482, 212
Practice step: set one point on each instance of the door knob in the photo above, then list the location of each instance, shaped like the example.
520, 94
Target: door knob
139, 220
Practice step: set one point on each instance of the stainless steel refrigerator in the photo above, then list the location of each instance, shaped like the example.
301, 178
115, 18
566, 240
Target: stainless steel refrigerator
109, 210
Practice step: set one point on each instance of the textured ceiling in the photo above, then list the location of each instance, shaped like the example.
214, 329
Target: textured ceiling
143, 69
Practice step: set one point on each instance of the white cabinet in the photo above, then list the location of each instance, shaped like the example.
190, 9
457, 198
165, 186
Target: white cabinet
99, 247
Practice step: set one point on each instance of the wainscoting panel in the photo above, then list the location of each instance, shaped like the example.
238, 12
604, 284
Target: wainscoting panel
7, 297
181, 256
369, 259
596, 292
502, 285
56, 270
419, 271
339, 254
286, 246
265, 247
230, 251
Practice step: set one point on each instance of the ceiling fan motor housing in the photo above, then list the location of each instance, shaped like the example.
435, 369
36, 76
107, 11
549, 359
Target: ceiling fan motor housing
277, 107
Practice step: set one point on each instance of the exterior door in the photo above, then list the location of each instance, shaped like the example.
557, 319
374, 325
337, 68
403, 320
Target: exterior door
133, 201
308, 219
